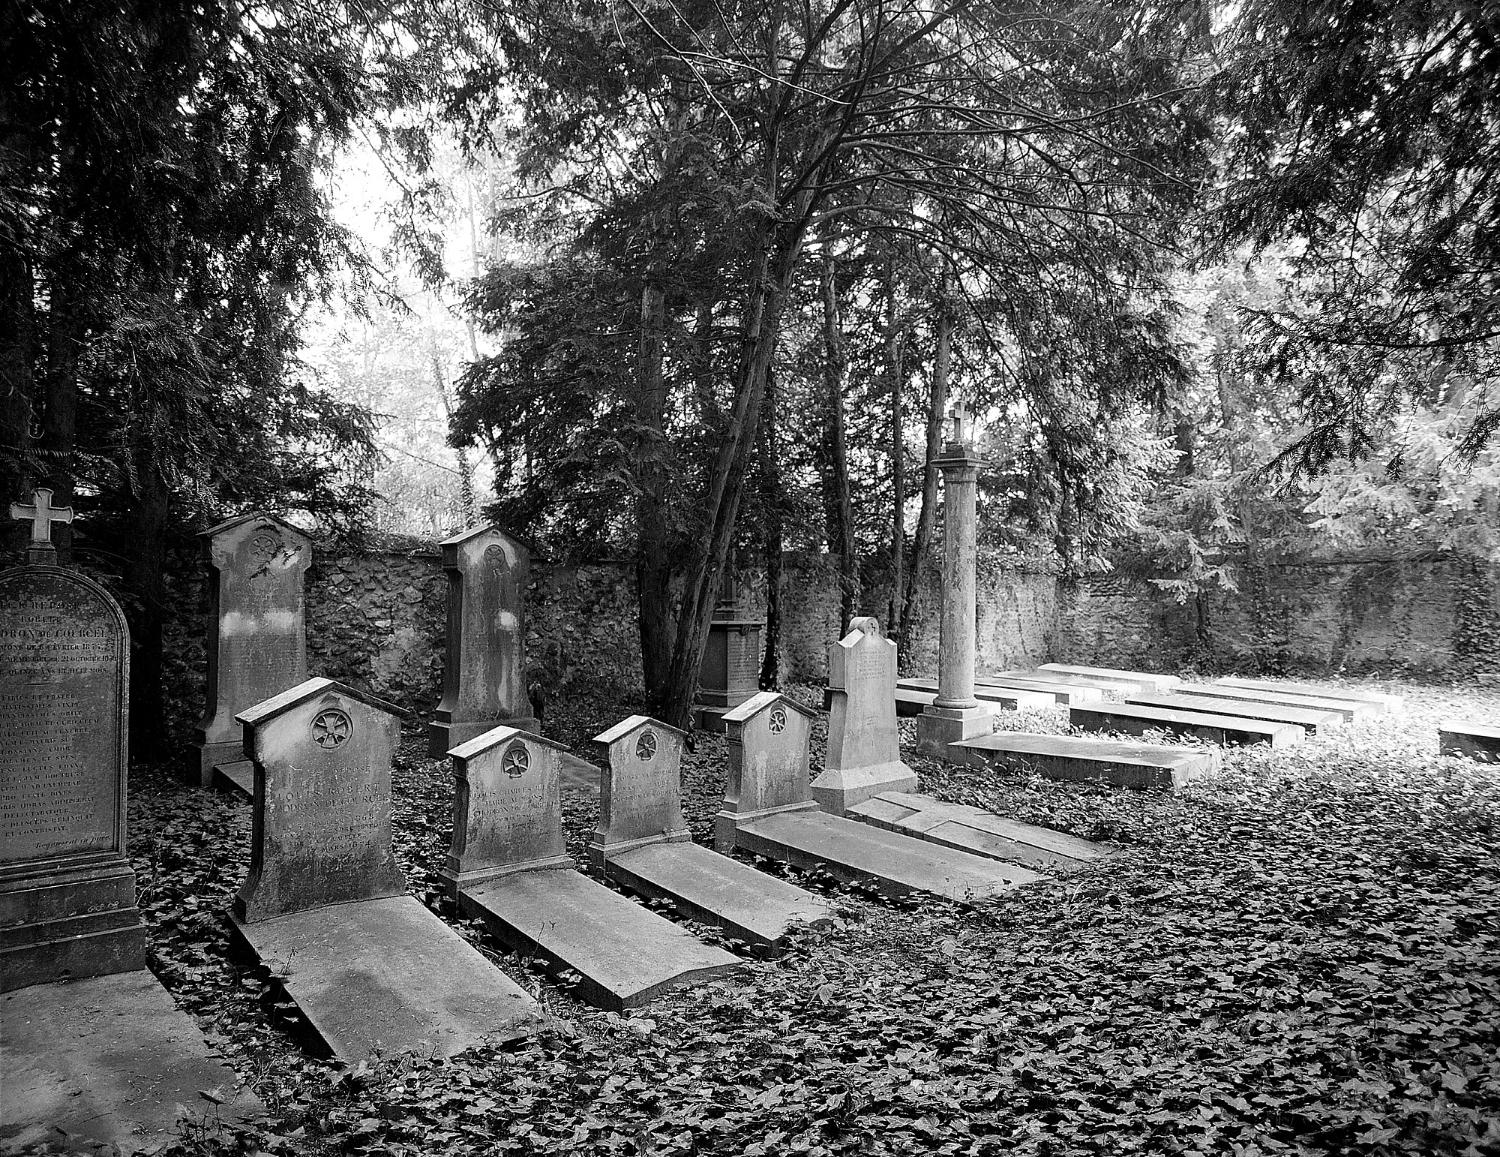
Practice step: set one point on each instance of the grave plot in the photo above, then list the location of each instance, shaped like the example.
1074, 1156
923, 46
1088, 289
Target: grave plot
1313, 720
1132, 719
1004, 698
1085, 760
1103, 688
1059, 691
864, 748
1347, 709
1147, 680
324, 906
643, 843
769, 811
1383, 703
1472, 740
508, 867
92, 1045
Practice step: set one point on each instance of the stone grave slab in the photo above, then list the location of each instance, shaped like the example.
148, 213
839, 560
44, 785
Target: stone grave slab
324, 904
644, 761
1106, 688
1311, 720
1065, 694
1006, 698
973, 829
1132, 719
1147, 680
910, 702
1384, 702
1347, 709
108, 1061
509, 867
256, 635
1084, 760
864, 745
1472, 740
484, 667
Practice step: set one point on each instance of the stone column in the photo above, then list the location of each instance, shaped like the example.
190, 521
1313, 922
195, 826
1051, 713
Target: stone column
956, 714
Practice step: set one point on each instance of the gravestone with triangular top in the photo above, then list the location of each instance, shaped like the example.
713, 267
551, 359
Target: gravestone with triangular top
92, 1045
325, 906
864, 745
509, 867
257, 633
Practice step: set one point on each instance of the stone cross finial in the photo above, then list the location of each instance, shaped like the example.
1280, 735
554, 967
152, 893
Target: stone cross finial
963, 430
41, 514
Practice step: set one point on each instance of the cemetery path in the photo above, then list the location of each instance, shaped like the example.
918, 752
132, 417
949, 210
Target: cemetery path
1300, 954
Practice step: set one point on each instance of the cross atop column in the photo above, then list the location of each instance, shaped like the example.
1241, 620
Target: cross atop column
963, 429
41, 514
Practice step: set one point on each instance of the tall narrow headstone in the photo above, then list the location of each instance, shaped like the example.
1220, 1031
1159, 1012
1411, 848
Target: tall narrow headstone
956, 714
257, 632
730, 672
484, 672
864, 745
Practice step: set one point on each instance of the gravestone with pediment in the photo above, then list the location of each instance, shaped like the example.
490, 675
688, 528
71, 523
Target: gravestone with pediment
484, 670
509, 867
93, 1046
324, 905
257, 631
768, 742
864, 745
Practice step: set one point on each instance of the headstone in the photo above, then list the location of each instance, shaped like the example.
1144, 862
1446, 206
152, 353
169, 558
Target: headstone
509, 867
257, 631
484, 670
94, 1052
864, 745
730, 672
768, 741
324, 904
642, 798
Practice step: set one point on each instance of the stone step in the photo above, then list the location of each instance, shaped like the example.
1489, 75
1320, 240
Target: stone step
388, 976
1474, 740
1132, 719
1079, 759
1006, 698
1065, 693
718, 890
624, 954
1107, 688
973, 829
1387, 704
1148, 680
895, 864
1312, 721
1347, 709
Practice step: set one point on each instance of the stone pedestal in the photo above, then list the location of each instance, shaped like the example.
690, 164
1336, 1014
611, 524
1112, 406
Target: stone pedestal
956, 713
731, 668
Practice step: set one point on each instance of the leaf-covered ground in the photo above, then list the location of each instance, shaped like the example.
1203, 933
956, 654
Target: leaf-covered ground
1299, 955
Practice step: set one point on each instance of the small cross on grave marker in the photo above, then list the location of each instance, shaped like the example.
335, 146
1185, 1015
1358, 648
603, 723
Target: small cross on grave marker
41, 514
963, 430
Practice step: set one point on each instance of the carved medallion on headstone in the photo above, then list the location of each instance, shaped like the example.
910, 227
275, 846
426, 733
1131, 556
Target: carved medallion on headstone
496, 558
262, 548
645, 747
331, 728
778, 720
516, 760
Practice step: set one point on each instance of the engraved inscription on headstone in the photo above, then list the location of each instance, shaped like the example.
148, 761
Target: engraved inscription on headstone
768, 750
641, 800
864, 745
507, 814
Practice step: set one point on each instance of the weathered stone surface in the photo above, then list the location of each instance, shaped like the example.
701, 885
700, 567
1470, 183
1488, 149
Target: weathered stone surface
1070, 757
1311, 720
641, 802
973, 829
895, 864
1222, 729
1473, 740
257, 635
909, 703
1147, 680
768, 762
731, 662
1347, 709
864, 747
387, 975
1384, 702
67, 892
1005, 698
322, 811
1060, 692
1106, 688
108, 1061
484, 675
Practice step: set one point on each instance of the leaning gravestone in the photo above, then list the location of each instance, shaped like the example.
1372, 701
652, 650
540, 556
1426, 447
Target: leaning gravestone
864, 746
324, 904
257, 634
484, 672
105, 1057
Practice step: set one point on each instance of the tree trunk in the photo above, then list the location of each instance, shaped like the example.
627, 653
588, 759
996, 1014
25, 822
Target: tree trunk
145, 577
774, 538
893, 360
838, 499
703, 365
653, 567
465, 467
16, 338
937, 402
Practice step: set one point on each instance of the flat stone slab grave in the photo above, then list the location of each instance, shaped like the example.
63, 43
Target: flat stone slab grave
1311, 720
973, 829
1476, 741
1065, 693
1347, 709
643, 843
1079, 759
1147, 679
1105, 687
108, 1061
1133, 719
1006, 698
1386, 703
509, 867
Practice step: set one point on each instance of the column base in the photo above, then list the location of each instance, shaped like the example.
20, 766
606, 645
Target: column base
939, 726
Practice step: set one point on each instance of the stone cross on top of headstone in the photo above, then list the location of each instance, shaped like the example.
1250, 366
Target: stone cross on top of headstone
41, 514
963, 425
